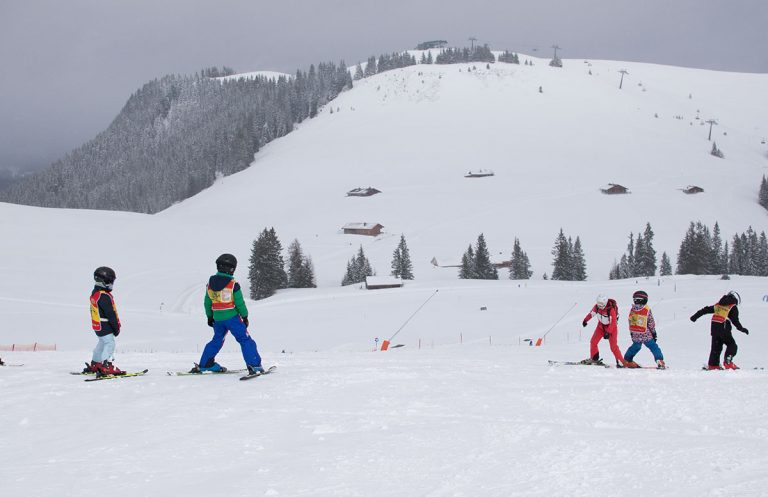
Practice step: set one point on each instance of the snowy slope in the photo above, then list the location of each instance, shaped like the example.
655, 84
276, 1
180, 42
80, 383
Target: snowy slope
467, 407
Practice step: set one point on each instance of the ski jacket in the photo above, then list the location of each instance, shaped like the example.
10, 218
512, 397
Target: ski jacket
224, 298
606, 317
642, 326
723, 314
104, 318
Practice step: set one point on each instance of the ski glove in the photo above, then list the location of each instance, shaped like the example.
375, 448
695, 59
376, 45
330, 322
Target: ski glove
606, 335
245, 321
210, 321
654, 336
693, 319
745, 331
584, 323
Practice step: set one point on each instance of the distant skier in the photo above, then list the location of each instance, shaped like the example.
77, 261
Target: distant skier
723, 313
1, 362
105, 323
642, 328
226, 312
606, 311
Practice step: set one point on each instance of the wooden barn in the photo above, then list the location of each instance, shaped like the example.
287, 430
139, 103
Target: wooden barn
368, 229
380, 282
613, 189
362, 192
691, 189
480, 173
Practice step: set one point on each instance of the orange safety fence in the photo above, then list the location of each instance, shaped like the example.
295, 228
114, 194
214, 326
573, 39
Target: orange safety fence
28, 347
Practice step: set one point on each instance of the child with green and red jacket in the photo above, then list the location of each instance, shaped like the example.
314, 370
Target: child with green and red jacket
226, 312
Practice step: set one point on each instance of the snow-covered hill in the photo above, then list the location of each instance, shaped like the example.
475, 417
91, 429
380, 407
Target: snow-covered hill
467, 407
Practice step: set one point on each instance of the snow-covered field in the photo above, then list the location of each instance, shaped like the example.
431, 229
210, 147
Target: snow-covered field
467, 407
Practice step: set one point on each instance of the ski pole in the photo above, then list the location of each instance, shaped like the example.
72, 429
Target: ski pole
540, 340
385, 343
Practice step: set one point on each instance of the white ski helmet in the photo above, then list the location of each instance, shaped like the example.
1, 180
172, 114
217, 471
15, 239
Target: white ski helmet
601, 300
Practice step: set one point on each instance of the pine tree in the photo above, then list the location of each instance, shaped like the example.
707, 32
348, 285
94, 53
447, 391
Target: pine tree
666, 266
520, 267
763, 195
358, 268
484, 268
561, 264
401, 261
647, 262
579, 265
301, 272
467, 269
695, 254
266, 271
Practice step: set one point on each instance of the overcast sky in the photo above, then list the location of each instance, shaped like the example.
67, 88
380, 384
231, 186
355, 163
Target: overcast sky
68, 66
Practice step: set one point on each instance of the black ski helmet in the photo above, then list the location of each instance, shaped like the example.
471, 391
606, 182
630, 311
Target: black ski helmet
104, 275
640, 297
735, 297
226, 263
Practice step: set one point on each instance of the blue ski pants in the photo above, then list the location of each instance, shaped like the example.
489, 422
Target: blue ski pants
636, 346
236, 326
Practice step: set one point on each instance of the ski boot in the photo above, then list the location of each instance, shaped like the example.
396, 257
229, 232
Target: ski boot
91, 368
631, 365
714, 368
106, 368
252, 370
660, 364
730, 365
213, 368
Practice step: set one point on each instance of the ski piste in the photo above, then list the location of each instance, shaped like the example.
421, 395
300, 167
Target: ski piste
205, 373
117, 376
256, 375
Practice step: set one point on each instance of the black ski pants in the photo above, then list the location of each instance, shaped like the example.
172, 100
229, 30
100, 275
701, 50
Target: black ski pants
722, 338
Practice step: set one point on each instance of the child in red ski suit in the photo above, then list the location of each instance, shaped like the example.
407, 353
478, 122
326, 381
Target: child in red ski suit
606, 311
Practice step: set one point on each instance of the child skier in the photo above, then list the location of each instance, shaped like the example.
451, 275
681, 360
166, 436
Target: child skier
723, 313
105, 323
642, 328
226, 312
606, 311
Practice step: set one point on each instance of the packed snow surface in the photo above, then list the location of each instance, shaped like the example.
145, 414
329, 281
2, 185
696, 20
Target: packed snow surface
467, 407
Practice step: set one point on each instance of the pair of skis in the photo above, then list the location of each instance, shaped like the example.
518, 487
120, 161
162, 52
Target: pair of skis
597, 363
269, 370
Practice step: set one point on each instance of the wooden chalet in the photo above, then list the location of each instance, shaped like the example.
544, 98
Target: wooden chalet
691, 189
480, 173
614, 189
368, 229
362, 192
380, 282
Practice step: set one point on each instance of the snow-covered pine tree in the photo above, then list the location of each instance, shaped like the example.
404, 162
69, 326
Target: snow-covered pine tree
301, 272
665, 268
695, 254
467, 269
266, 271
561, 264
401, 261
520, 267
484, 268
358, 268
763, 194
579, 265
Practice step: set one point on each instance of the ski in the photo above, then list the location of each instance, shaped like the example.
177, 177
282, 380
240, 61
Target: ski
11, 365
256, 375
577, 363
116, 376
205, 373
